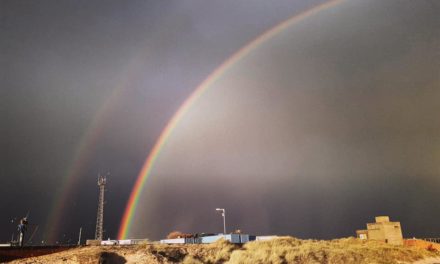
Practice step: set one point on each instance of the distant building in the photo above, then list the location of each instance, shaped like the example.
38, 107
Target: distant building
210, 238
382, 230
93, 242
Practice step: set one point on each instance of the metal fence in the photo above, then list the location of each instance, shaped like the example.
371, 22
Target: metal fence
433, 240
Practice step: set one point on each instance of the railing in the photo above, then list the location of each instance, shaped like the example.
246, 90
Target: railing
433, 240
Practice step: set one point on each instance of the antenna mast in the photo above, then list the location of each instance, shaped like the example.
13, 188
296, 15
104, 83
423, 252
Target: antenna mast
100, 217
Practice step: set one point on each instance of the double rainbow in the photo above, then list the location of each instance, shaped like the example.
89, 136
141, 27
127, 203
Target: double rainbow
148, 166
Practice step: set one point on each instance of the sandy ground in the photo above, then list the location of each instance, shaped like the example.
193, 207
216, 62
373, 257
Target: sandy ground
116, 255
428, 261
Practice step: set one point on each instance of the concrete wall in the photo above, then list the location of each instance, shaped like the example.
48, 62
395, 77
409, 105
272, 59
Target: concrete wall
389, 232
362, 234
382, 219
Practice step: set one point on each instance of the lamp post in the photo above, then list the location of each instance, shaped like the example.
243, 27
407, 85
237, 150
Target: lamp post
224, 218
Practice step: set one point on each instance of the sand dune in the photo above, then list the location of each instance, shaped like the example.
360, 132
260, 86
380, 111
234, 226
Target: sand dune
280, 250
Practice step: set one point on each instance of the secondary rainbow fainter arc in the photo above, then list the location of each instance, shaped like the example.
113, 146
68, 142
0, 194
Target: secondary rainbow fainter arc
148, 166
83, 150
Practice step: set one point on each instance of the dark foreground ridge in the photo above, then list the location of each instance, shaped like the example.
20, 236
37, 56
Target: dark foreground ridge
11, 253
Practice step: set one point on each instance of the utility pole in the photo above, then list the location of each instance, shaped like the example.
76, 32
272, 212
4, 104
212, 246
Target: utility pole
79, 238
100, 216
224, 218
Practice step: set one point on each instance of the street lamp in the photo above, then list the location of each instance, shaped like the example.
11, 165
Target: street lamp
224, 218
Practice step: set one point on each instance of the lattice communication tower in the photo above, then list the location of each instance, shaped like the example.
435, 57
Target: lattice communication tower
100, 217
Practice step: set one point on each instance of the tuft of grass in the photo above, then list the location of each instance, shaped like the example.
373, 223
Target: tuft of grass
191, 260
220, 251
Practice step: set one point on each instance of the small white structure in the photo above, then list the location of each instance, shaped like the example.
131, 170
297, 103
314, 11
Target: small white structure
109, 242
265, 238
123, 242
174, 241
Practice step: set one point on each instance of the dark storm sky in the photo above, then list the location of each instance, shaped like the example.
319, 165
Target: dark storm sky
324, 126
60, 62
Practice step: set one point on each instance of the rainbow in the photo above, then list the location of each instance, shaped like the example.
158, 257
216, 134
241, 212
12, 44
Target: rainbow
84, 149
81, 155
147, 168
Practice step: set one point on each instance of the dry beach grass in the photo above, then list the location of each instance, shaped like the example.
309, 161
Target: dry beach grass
280, 250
